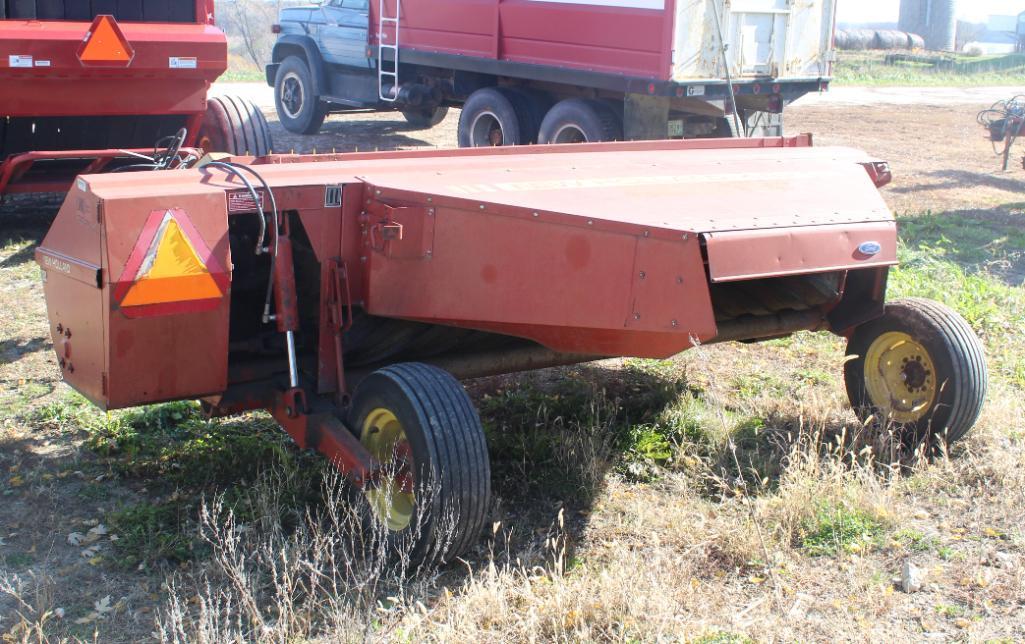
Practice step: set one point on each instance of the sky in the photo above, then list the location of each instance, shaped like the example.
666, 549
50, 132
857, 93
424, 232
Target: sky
886, 10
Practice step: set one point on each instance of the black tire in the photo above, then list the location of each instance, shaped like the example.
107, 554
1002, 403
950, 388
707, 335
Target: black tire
580, 120
235, 125
299, 109
425, 118
531, 107
490, 118
446, 442
955, 353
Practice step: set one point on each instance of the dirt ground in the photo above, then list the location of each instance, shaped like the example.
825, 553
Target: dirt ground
54, 499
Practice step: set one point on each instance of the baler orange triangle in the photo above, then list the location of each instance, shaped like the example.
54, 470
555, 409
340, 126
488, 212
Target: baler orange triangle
357, 289
105, 45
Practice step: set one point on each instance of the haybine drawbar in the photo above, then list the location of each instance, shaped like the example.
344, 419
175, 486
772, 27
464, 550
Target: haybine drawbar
346, 293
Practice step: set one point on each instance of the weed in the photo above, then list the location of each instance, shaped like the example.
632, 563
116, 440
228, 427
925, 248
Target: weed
94, 492
18, 559
839, 529
753, 385
154, 531
649, 443
950, 610
723, 637
915, 540
184, 456
814, 376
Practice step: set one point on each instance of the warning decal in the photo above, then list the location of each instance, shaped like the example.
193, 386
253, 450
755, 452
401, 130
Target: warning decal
178, 62
170, 270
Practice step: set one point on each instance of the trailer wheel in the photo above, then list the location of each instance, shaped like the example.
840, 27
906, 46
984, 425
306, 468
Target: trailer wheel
579, 120
919, 366
299, 109
490, 118
234, 125
418, 421
425, 118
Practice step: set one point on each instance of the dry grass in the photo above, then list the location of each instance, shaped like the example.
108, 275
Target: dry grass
704, 552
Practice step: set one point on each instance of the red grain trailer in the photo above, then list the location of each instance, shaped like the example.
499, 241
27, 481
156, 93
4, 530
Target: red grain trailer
88, 86
345, 293
561, 71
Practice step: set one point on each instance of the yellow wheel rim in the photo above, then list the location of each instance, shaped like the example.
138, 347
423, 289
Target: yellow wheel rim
900, 377
392, 500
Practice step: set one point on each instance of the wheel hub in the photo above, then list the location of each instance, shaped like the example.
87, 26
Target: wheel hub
900, 377
292, 95
486, 131
569, 134
392, 501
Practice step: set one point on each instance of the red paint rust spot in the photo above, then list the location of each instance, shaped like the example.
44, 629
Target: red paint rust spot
578, 252
489, 274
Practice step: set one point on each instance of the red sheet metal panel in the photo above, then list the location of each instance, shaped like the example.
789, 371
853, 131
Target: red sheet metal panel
630, 37
170, 73
773, 252
696, 191
464, 27
587, 36
74, 302
169, 356
117, 360
564, 282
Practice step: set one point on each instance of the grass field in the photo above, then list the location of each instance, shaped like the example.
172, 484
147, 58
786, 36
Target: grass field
867, 68
725, 495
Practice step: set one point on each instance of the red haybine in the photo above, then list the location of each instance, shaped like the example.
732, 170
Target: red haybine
346, 293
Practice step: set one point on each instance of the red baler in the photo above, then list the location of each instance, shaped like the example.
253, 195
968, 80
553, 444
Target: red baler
88, 86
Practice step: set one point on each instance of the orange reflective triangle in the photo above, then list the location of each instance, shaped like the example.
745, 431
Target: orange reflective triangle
105, 43
171, 271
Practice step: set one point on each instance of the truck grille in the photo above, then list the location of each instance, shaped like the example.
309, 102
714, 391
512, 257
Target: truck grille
122, 10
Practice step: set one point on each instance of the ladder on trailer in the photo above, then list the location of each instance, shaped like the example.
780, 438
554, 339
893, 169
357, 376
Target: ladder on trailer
383, 75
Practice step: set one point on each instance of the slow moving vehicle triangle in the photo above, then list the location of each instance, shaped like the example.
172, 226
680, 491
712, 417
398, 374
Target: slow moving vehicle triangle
172, 271
170, 267
105, 45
